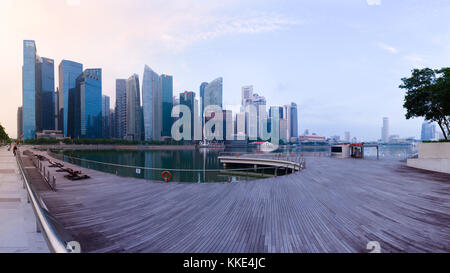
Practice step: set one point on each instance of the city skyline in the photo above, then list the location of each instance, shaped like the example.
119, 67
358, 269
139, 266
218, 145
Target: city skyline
316, 111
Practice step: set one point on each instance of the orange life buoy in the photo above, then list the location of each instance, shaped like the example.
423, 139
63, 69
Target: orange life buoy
166, 176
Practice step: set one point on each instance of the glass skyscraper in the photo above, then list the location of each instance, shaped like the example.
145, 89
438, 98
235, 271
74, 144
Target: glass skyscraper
106, 116
69, 71
213, 93
85, 105
29, 89
134, 115
152, 104
45, 88
188, 98
167, 105
121, 108
294, 121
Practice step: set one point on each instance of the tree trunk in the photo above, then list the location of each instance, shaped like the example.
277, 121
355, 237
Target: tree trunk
442, 129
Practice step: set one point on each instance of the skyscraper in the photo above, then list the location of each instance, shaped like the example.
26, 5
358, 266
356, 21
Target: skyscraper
213, 93
152, 104
69, 71
29, 89
347, 137
385, 130
121, 108
85, 105
134, 115
167, 93
188, 98
428, 131
106, 121
247, 93
294, 122
19, 123
202, 98
45, 88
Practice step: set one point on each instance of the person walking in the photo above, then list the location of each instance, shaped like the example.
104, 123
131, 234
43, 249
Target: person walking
15, 149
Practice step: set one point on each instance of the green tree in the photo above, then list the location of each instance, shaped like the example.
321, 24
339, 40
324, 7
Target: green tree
428, 96
3, 135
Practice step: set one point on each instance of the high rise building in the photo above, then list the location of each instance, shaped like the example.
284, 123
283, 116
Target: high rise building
347, 137
85, 105
247, 93
167, 105
68, 71
56, 109
202, 98
293, 122
45, 89
188, 98
19, 123
213, 93
121, 108
385, 130
29, 89
134, 113
112, 123
152, 104
428, 131
106, 120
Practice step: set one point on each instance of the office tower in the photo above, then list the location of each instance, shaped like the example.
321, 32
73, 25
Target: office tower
19, 123
276, 108
247, 93
202, 98
213, 93
121, 108
284, 130
288, 117
227, 117
134, 115
152, 104
294, 122
167, 105
106, 121
239, 126
85, 105
188, 98
112, 124
385, 130
56, 108
347, 137
68, 71
29, 89
45, 88
428, 131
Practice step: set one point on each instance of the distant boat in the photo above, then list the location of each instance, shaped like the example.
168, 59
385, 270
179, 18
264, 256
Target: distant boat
206, 145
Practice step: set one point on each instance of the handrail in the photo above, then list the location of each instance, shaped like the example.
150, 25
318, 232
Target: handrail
45, 220
154, 169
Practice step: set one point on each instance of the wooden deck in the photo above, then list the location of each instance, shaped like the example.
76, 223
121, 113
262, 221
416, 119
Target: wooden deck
334, 205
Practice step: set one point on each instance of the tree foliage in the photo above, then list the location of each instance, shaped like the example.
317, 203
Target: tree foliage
3, 135
428, 96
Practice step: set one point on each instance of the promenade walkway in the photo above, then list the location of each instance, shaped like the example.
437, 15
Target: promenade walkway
334, 205
17, 221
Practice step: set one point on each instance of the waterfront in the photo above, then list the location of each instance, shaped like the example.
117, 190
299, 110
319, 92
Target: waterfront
197, 165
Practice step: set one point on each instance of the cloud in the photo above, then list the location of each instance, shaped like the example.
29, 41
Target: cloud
373, 2
388, 48
73, 3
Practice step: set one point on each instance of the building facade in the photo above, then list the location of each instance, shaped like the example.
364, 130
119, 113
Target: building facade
213, 93
19, 123
45, 88
29, 89
167, 105
121, 108
85, 105
188, 98
68, 72
134, 115
106, 120
152, 104
428, 131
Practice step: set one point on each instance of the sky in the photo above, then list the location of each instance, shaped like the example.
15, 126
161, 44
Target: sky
341, 61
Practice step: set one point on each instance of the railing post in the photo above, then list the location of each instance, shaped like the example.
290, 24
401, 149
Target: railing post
276, 172
54, 183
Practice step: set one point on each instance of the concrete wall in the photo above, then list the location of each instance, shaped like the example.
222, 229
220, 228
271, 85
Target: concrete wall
434, 150
432, 157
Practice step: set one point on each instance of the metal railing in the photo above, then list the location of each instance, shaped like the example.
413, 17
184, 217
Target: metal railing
57, 238
179, 175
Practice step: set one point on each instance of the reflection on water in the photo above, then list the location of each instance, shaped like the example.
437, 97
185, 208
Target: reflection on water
197, 165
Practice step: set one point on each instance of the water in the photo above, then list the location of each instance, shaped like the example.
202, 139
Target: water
191, 165
201, 165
